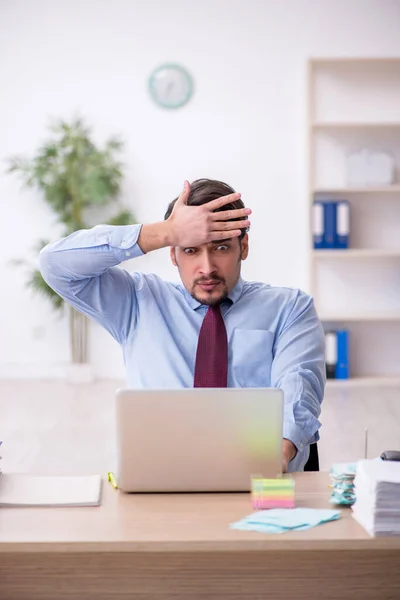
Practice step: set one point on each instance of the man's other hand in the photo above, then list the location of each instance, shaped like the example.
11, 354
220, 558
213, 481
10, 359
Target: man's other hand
289, 451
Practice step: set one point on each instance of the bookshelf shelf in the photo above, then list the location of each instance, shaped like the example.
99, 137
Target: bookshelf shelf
389, 189
360, 317
352, 253
358, 61
354, 125
354, 104
360, 382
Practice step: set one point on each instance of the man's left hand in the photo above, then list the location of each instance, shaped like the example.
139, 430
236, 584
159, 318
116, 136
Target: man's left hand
289, 451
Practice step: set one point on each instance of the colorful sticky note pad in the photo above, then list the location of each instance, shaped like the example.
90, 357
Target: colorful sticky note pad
272, 493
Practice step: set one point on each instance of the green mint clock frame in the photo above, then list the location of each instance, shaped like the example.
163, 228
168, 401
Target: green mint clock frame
171, 86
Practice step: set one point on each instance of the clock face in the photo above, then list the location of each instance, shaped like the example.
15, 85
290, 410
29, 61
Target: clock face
171, 86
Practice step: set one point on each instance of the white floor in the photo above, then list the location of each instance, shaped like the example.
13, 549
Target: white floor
54, 427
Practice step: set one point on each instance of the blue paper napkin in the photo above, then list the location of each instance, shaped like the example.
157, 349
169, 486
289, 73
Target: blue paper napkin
280, 520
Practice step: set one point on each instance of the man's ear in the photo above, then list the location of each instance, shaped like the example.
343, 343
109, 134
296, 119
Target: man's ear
172, 255
244, 244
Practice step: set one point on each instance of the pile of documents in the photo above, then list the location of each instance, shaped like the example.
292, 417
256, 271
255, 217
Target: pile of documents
342, 483
377, 488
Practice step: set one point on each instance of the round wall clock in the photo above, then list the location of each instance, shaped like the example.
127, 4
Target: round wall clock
171, 86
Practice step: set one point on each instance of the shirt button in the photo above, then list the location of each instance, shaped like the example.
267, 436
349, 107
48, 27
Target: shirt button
127, 253
123, 244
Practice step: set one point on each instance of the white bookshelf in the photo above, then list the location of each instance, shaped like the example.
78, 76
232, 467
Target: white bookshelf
354, 104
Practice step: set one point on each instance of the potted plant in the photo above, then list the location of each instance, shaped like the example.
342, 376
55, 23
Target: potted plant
81, 182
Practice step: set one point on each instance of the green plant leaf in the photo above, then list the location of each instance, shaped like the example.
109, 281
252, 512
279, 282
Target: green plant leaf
125, 217
114, 144
40, 245
20, 165
17, 262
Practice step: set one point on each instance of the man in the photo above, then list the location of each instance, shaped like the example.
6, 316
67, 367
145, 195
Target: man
214, 331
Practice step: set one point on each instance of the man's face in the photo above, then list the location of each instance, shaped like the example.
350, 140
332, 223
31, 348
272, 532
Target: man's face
209, 272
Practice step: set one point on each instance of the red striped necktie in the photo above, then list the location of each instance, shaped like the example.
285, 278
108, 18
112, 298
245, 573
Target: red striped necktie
211, 368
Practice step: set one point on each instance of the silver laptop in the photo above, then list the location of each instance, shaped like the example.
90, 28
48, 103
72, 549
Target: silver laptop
198, 439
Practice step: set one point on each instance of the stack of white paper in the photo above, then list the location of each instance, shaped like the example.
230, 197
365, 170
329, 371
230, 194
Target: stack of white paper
377, 490
31, 490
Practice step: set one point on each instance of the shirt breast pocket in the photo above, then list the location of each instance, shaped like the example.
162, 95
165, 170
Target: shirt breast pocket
252, 357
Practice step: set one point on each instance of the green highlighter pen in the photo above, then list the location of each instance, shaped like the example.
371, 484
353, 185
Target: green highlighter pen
112, 480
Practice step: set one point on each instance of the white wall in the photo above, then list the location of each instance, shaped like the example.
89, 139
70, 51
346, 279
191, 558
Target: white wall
245, 125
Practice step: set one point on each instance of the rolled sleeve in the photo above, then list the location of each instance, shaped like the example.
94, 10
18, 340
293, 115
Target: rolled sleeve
83, 269
298, 368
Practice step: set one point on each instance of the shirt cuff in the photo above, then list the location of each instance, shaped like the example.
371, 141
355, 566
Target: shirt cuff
292, 432
124, 242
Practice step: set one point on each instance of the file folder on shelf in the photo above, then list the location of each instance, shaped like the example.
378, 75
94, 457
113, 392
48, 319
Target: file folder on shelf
330, 354
330, 224
318, 229
342, 224
342, 365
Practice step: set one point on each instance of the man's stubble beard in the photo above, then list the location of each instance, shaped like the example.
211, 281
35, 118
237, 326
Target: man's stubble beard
207, 298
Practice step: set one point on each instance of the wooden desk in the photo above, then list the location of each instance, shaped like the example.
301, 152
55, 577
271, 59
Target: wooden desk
181, 547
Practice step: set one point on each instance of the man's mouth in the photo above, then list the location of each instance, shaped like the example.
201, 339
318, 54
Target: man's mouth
208, 286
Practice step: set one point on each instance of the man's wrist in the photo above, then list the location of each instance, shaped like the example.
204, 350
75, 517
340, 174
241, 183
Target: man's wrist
289, 449
168, 232
155, 236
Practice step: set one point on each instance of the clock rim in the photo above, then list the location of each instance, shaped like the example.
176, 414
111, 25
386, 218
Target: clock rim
183, 71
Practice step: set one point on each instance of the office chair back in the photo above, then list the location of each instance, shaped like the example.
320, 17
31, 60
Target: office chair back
313, 460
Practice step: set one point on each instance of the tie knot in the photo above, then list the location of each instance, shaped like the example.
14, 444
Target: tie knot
215, 307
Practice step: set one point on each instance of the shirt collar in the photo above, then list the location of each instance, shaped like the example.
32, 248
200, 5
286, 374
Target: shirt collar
237, 291
234, 295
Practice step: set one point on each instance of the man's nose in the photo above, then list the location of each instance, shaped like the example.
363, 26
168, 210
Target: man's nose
207, 266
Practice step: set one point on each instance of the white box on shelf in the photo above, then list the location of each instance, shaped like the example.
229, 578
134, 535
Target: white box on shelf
367, 168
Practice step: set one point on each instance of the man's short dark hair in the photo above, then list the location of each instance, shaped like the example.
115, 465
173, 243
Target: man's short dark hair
205, 190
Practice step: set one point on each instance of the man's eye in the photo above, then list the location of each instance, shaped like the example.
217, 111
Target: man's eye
222, 248
189, 250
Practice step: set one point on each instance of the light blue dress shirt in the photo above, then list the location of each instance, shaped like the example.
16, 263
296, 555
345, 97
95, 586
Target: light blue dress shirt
274, 335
